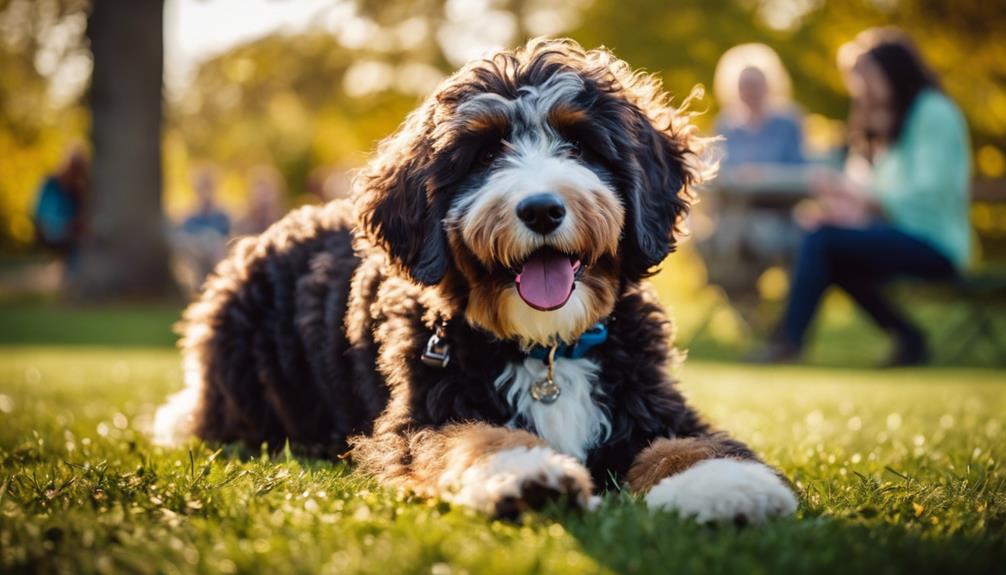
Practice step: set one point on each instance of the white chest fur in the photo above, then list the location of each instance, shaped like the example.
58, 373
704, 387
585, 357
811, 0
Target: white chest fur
574, 423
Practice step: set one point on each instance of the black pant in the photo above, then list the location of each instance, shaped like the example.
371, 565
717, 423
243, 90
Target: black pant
859, 261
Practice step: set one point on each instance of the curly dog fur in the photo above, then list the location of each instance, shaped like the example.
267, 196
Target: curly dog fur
314, 331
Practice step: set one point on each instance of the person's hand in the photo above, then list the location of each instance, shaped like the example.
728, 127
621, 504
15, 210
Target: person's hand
812, 215
845, 209
826, 182
809, 215
837, 201
823, 182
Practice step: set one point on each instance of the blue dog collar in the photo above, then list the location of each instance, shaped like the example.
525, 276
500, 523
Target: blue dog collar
593, 337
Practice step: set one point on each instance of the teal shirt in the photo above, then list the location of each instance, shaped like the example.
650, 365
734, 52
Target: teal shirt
922, 182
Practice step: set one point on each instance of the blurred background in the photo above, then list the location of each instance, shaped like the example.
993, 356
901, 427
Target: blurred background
185, 123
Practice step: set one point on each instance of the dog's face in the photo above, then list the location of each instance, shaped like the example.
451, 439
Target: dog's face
533, 185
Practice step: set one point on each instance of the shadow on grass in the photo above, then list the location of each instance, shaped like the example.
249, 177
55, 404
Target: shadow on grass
627, 538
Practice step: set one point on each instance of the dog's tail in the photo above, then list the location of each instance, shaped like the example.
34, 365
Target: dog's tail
174, 422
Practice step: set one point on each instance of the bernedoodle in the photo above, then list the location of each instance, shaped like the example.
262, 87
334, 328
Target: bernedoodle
475, 325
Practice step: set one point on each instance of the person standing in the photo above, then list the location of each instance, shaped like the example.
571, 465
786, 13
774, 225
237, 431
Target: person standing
59, 207
201, 240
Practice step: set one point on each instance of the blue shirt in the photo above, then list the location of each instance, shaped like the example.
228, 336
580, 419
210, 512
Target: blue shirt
55, 212
211, 221
779, 140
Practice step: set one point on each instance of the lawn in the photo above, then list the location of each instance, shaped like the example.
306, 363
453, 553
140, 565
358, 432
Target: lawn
899, 472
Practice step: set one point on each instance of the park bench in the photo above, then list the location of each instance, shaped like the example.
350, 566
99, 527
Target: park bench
737, 254
981, 292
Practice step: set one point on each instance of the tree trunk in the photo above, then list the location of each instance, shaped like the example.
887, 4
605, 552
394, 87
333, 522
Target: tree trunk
124, 252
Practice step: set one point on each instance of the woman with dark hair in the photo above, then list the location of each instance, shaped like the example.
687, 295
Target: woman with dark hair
900, 209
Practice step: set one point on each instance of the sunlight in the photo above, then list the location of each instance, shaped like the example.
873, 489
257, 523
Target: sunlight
194, 31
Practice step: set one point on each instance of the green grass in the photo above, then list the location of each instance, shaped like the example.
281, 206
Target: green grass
30, 321
899, 472
843, 338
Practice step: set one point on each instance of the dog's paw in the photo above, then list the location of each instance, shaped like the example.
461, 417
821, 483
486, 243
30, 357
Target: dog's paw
724, 491
510, 482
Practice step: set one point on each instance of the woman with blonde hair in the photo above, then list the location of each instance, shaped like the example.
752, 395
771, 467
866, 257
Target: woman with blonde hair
759, 124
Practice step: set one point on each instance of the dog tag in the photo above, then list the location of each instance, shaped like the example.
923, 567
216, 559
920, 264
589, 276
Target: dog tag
545, 391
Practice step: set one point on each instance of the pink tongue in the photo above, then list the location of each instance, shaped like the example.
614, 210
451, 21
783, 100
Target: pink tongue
546, 281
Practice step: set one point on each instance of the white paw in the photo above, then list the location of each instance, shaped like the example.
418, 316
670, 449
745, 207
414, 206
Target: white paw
510, 482
724, 490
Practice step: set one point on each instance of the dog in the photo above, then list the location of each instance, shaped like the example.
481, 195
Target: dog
475, 325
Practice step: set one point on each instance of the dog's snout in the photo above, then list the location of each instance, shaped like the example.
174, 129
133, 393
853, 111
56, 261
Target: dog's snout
542, 213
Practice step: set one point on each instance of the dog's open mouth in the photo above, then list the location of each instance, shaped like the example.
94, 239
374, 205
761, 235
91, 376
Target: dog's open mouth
546, 279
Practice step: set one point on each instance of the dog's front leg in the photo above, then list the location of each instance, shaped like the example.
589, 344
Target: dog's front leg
496, 470
711, 478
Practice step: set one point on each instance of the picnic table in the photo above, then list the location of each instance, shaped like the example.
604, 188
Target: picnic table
750, 228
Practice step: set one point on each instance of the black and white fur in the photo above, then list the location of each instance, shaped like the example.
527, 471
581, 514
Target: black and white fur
314, 331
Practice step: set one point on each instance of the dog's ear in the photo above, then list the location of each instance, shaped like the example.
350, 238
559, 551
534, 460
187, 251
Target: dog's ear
395, 203
664, 166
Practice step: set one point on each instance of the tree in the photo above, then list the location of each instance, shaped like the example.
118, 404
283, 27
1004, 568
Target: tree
125, 252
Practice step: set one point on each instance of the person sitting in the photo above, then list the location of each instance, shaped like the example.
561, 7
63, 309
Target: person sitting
759, 126
760, 147
904, 216
202, 237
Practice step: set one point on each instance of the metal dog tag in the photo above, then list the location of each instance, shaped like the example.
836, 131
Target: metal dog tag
545, 391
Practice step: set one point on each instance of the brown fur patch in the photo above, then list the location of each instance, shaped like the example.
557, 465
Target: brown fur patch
602, 279
468, 443
483, 305
563, 115
485, 122
598, 218
666, 457
489, 232
424, 457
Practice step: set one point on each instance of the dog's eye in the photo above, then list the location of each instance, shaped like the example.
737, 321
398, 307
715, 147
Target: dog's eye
488, 156
575, 149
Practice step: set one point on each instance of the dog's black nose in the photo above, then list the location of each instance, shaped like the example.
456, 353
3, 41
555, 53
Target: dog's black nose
541, 213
